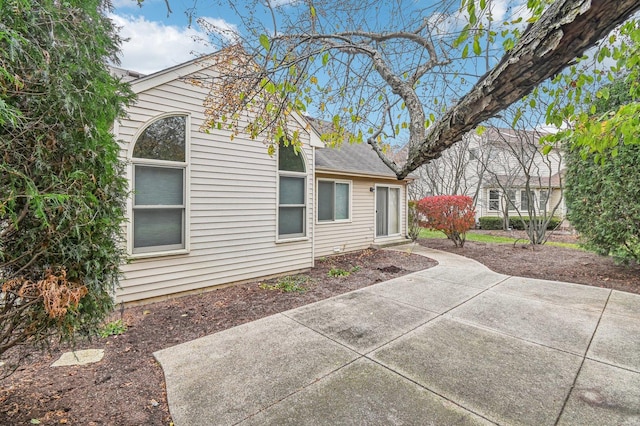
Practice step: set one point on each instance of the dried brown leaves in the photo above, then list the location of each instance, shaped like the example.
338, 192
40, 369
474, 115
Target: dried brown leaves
58, 294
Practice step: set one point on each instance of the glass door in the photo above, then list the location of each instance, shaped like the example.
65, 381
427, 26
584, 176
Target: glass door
387, 211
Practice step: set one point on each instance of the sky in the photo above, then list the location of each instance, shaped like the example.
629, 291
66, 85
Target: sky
157, 41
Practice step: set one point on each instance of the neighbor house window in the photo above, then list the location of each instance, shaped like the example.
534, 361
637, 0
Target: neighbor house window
511, 199
525, 199
333, 200
544, 198
494, 199
159, 175
292, 179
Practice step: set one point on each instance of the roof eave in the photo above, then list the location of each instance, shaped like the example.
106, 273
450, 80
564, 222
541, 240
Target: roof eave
170, 74
360, 174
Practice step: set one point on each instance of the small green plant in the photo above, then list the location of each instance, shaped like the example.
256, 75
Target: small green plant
113, 328
288, 284
338, 272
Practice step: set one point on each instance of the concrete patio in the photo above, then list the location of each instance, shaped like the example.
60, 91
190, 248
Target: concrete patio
454, 344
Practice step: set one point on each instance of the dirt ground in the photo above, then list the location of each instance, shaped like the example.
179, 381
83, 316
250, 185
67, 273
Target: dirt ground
127, 386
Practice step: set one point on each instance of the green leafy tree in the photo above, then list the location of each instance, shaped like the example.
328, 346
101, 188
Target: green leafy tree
603, 196
62, 191
587, 96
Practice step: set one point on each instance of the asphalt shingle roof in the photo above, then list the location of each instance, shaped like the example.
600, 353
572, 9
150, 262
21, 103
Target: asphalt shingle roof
356, 158
359, 158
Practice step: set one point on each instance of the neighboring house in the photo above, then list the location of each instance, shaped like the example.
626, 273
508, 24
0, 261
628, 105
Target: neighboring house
208, 210
503, 193
504, 170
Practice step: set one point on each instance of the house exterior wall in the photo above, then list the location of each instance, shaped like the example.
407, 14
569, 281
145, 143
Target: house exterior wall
232, 199
359, 232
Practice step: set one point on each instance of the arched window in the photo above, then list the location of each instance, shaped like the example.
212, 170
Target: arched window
292, 184
159, 174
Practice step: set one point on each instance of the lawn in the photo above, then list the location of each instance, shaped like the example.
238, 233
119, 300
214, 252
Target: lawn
488, 238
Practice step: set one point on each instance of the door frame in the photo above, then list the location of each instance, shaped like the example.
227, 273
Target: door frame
399, 211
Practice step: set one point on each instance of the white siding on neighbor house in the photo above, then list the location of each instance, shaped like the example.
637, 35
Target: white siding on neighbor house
358, 233
499, 161
556, 198
232, 205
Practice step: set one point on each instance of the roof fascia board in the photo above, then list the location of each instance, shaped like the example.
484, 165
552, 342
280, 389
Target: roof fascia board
170, 74
320, 170
314, 136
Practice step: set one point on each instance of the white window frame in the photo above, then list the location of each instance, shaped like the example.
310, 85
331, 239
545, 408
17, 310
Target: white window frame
166, 250
305, 208
512, 203
530, 198
543, 202
349, 200
490, 200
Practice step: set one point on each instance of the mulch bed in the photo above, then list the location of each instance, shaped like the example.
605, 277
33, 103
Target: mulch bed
547, 262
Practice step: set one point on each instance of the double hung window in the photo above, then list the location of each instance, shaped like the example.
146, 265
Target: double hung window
292, 184
159, 175
544, 199
494, 199
511, 193
526, 197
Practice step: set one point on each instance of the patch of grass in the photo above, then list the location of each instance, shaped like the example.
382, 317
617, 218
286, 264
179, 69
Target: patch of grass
113, 328
565, 245
288, 284
471, 236
486, 238
431, 234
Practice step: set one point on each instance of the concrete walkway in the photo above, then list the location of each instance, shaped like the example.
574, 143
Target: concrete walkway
454, 344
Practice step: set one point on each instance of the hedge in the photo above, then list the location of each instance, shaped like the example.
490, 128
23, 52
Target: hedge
495, 223
490, 222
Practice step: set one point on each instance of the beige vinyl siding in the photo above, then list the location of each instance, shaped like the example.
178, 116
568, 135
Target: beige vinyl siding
557, 199
358, 233
232, 205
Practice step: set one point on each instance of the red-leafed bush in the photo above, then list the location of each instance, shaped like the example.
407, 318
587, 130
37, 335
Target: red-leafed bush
452, 214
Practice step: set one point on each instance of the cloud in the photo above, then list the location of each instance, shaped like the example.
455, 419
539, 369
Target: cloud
283, 3
222, 29
153, 46
501, 11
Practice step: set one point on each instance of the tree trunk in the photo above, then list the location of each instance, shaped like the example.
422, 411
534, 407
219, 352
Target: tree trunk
565, 31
